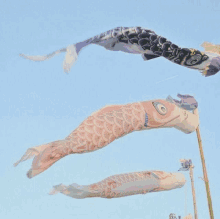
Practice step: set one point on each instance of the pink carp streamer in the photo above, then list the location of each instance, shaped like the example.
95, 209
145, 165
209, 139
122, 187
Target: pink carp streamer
122, 185
108, 124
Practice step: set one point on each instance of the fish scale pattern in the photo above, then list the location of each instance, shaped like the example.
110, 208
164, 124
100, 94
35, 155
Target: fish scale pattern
100, 129
160, 46
105, 187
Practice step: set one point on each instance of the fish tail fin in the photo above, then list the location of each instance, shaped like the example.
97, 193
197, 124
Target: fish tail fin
70, 59
32, 152
72, 52
54, 152
74, 190
43, 57
44, 156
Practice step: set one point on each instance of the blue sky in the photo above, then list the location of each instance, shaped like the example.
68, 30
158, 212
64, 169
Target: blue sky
40, 104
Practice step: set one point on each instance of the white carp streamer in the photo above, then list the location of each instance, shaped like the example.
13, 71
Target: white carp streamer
122, 185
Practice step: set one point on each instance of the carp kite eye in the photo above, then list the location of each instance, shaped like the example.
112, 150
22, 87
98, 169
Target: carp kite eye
160, 108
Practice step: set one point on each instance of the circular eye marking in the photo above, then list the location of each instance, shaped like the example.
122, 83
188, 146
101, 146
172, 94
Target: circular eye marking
194, 60
160, 108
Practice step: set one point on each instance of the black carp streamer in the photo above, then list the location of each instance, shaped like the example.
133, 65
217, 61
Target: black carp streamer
137, 40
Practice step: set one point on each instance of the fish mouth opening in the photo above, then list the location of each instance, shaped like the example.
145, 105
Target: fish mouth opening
181, 181
213, 67
212, 70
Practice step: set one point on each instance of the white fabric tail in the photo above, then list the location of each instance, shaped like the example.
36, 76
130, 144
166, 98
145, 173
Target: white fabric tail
44, 57
71, 57
57, 189
74, 191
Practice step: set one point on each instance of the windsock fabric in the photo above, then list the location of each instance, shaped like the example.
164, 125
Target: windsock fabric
189, 216
186, 164
138, 40
108, 124
124, 185
187, 102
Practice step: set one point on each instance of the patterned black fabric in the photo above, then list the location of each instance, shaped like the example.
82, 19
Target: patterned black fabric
149, 57
160, 46
137, 40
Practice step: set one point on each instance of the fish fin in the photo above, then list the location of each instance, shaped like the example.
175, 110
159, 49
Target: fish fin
70, 58
30, 153
74, 190
57, 189
210, 47
147, 57
44, 156
43, 57
53, 152
106, 109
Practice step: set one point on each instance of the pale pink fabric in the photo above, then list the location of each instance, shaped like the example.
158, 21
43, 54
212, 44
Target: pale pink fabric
106, 125
125, 185
210, 47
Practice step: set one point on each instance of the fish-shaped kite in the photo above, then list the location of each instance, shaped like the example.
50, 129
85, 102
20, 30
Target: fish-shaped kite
122, 185
112, 122
138, 40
